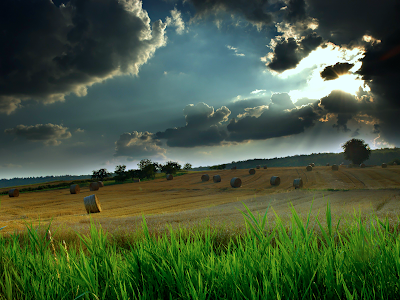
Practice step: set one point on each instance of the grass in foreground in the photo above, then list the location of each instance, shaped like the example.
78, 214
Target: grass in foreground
264, 263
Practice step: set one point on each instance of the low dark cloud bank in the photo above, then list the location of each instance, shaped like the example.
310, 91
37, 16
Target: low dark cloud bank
49, 134
203, 127
50, 51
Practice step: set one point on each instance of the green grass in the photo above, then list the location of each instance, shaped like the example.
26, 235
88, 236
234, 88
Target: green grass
207, 263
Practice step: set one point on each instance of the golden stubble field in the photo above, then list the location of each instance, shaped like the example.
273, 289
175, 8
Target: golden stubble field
187, 201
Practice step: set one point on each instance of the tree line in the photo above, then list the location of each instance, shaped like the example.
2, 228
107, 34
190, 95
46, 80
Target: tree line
147, 169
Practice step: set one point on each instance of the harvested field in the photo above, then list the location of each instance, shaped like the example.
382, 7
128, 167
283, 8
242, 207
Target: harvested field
187, 200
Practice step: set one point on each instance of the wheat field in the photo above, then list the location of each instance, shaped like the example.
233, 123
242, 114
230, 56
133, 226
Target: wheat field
186, 200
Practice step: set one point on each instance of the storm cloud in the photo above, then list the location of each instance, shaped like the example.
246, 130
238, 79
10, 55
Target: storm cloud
203, 127
333, 72
49, 134
345, 106
49, 52
136, 145
287, 53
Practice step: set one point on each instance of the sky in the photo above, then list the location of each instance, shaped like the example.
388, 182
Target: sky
91, 84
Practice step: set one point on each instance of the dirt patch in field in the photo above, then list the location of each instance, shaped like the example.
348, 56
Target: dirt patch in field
187, 201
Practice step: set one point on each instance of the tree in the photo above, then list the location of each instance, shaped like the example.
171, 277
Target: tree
100, 174
171, 167
143, 163
356, 151
187, 166
121, 174
148, 168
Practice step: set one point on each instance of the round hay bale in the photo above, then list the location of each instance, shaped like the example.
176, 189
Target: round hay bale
252, 171
217, 178
74, 189
236, 182
327, 165
265, 167
335, 168
312, 165
94, 186
309, 168
275, 180
362, 165
13, 193
298, 183
169, 177
101, 184
92, 204
258, 167
233, 168
205, 177
384, 165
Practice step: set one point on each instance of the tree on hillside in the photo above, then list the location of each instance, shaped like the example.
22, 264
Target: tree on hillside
171, 167
356, 151
120, 173
187, 166
100, 174
148, 168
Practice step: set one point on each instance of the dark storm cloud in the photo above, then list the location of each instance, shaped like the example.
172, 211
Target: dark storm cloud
345, 106
271, 124
203, 127
137, 145
346, 22
295, 11
333, 72
380, 69
49, 134
289, 52
376, 128
48, 52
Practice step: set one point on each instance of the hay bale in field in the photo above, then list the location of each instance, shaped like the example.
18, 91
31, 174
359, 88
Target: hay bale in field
217, 178
258, 167
394, 163
309, 168
298, 183
92, 204
236, 182
233, 168
94, 186
13, 193
265, 167
74, 189
275, 180
252, 171
169, 177
384, 165
362, 165
205, 177
312, 165
101, 184
335, 168
327, 165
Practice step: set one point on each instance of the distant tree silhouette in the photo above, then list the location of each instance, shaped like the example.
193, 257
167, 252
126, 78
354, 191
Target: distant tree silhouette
121, 174
171, 167
356, 151
187, 166
100, 174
